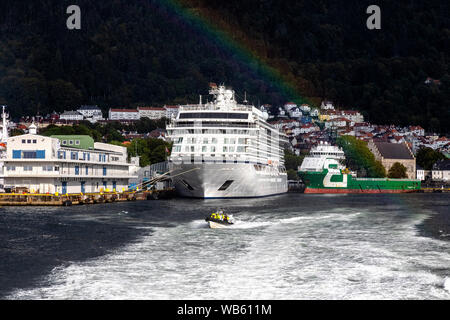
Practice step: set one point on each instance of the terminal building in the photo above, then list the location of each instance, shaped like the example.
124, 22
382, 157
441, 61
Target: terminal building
65, 164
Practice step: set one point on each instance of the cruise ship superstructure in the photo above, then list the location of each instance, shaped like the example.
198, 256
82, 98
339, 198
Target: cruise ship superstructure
222, 149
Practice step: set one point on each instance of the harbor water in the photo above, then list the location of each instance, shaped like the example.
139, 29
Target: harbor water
292, 246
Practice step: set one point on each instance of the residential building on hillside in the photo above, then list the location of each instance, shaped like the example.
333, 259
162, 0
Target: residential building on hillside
152, 112
265, 108
417, 130
309, 127
420, 173
295, 113
338, 123
281, 113
305, 108
327, 105
91, 112
123, 114
441, 170
289, 105
352, 115
314, 112
71, 116
171, 111
65, 164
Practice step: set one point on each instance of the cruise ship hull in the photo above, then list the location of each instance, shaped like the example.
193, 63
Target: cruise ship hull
212, 180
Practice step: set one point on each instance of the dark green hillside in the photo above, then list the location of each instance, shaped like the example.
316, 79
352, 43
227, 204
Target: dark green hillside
132, 52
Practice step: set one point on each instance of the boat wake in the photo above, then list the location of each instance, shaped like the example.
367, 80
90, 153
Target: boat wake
253, 222
290, 255
447, 284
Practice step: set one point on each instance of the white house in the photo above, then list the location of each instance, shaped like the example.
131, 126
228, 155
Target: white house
439, 143
327, 105
171, 111
441, 170
338, 123
289, 105
265, 108
295, 113
314, 113
91, 112
281, 113
43, 164
305, 108
309, 127
352, 115
287, 123
417, 130
124, 114
71, 116
397, 139
420, 173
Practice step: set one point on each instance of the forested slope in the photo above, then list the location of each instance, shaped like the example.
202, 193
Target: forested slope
131, 52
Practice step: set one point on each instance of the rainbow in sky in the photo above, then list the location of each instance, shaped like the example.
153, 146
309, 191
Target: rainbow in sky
245, 56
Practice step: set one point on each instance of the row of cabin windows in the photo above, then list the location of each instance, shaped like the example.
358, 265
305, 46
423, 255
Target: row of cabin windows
192, 140
211, 131
210, 149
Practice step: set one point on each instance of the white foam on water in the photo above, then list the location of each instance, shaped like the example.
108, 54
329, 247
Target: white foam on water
316, 255
199, 224
447, 284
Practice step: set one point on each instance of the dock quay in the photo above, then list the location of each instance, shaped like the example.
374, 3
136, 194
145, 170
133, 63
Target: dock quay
435, 190
36, 199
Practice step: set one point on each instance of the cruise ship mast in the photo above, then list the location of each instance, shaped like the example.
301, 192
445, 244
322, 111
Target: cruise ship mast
224, 98
4, 134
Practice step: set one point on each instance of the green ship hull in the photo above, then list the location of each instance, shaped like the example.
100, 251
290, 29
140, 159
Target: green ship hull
325, 182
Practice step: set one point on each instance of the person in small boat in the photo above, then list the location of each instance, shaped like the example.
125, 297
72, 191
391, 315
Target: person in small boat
219, 215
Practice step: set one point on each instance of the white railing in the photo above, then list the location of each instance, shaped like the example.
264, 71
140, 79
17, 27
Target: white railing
213, 107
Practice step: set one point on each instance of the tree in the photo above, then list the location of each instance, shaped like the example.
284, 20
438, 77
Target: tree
291, 161
150, 150
426, 157
397, 171
135, 51
16, 132
360, 158
292, 174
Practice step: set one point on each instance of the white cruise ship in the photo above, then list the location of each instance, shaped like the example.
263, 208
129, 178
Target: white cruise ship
223, 149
